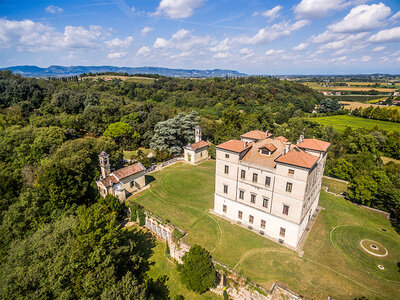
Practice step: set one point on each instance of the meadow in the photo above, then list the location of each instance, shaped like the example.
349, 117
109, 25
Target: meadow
340, 122
351, 88
137, 79
183, 194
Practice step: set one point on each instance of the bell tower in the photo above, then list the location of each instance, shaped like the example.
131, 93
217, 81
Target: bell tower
197, 134
104, 164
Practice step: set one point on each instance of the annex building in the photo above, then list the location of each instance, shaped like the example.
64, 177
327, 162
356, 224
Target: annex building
122, 182
198, 151
269, 184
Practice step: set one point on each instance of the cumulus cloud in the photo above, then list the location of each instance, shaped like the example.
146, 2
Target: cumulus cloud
386, 36
146, 30
143, 51
183, 39
313, 9
54, 9
221, 55
115, 55
366, 58
222, 46
362, 18
118, 43
345, 41
379, 48
177, 9
272, 52
271, 33
272, 14
300, 47
395, 16
31, 36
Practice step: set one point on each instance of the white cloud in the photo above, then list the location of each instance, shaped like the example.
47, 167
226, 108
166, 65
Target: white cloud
143, 51
272, 52
395, 16
338, 59
379, 48
366, 58
115, 55
386, 36
54, 9
272, 14
271, 33
340, 52
221, 55
300, 47
362, 18
146, 30
183, 39
133, 9
348, 40
313, 9
31, 36
176, 9
245, 51
118, 43
222, 46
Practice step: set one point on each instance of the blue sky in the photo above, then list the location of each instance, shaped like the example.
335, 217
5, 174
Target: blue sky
255, 37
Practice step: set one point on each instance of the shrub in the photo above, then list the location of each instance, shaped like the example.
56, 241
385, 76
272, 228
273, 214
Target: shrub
179, 297
167, 251
142, 217
197, 272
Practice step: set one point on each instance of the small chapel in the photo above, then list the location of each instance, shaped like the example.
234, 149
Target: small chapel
122, 182
198, 151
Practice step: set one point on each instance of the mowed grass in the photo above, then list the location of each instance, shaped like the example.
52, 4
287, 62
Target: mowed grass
339, 123
334, 185
184, 194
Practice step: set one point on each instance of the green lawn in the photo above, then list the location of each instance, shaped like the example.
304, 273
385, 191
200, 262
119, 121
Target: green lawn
339, 123
184, 194
334, 186
128, 154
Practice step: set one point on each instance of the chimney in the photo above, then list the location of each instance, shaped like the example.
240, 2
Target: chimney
266, 133
287, 147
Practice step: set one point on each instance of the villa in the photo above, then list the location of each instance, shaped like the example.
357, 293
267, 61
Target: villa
268, 184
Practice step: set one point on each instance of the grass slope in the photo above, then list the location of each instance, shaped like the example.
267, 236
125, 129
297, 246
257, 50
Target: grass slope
183, 194
339, 123
334, 185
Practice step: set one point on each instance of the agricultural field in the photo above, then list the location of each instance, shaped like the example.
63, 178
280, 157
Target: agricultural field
352, 105
330, 265
339, 123
352, 88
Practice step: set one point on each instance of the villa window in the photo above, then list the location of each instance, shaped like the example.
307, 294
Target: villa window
253, 198
201, 154
265, 202
225, 189
289, 187
255, 177
226, 170
267, 180
291, 172
243, 174
285, 210
226, 155
282, 232
241, 195
224, 208
240, 214
131, 183
251, 219
262, 223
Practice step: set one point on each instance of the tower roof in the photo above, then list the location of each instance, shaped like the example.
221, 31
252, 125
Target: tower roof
314, 144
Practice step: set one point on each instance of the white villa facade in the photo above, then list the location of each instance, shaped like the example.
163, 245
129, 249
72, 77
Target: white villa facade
268, 184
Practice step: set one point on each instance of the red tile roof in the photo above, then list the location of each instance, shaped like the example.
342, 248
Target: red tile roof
199, 145
282, 139
109, 180
300, 159
234, 146
269, 147
314, 144
129, 170
255, 134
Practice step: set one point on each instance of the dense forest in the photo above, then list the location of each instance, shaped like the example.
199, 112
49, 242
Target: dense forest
59, 239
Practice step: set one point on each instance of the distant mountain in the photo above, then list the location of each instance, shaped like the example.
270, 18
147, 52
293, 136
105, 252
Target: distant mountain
59, 71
